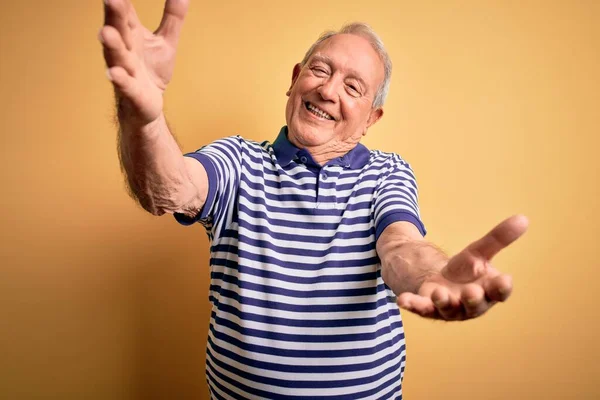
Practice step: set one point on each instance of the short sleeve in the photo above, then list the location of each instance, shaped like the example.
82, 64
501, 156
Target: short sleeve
396, 197
222, 162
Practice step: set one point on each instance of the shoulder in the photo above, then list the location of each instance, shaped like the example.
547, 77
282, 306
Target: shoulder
236, 143
387, 162
252, 145
383, 156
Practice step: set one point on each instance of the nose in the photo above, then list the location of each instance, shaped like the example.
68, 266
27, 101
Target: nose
328, 90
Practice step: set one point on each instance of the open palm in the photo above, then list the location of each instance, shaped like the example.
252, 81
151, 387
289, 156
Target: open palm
468, 285
140, 62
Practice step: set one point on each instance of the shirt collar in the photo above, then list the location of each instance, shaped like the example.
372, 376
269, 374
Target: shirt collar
285, 152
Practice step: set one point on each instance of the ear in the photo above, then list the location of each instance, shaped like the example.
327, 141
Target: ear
295, 74
375, 116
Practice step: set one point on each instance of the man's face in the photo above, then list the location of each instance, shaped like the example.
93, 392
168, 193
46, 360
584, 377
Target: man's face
330, 101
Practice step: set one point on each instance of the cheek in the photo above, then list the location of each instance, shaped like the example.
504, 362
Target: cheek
295, 98
289, 110
351, 111
305, 84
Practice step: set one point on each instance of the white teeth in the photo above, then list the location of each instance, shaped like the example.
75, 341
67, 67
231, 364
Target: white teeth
319, 112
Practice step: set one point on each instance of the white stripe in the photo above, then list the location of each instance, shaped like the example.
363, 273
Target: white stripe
284, 243
310, 331
289, 285
303, 273
228, 385
382, 169
308, 392
305, 362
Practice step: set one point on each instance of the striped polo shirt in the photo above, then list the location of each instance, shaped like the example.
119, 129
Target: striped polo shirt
299, 308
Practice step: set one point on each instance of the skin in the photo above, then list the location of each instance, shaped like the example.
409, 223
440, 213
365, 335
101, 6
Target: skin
140, 65
340, 78
433, 285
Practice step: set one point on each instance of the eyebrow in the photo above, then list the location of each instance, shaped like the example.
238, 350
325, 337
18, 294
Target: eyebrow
327, 60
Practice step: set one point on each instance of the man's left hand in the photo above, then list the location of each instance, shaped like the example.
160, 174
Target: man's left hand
468, 285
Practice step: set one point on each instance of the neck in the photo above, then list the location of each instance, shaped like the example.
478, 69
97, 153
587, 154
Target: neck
326, 152
323, 157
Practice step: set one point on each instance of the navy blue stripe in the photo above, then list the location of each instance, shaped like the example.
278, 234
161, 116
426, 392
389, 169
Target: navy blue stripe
270, 200
393, 382
350, 263
300, 384
228, 149
305, 197
397, 197
312, 280
393, 200
251, 216
354, 234
301, 294
298, 338
236, 383
307, 369
396, 216
304, 308
307, 323
401, 176
217, 377
394, 189
306, 251
316, 354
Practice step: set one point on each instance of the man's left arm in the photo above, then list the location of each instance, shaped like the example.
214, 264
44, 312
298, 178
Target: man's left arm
431, 284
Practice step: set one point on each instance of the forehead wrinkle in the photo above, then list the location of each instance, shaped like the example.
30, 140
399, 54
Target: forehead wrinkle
326, 59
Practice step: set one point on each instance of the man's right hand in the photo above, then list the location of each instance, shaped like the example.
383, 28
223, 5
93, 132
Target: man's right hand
140, 63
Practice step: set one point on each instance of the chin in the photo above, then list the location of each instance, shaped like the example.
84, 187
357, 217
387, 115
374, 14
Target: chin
310, 135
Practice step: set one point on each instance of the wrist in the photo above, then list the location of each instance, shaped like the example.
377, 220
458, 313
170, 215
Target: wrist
132, 119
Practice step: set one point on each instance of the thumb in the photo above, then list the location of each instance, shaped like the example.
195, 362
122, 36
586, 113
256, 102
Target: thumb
471, 263
172, 20
500, 237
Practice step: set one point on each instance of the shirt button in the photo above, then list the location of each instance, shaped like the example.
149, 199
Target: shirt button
303, 159
323, 175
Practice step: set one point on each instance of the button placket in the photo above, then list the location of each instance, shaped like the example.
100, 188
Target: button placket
327, 194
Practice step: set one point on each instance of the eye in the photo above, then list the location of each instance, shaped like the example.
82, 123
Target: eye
318, 71
353, 89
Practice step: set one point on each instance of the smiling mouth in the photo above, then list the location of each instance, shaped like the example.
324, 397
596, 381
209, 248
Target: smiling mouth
316, 111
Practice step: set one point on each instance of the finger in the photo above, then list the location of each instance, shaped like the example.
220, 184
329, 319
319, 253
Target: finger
172, 20
501, 236
122, 81
132, 19
420, 305
498, 288
115, 52
447, 305
473, 300
116, 14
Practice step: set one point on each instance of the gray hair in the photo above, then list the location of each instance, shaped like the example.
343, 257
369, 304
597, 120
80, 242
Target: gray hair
365, 31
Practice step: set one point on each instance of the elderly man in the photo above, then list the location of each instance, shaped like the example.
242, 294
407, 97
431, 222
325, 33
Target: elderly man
311, 236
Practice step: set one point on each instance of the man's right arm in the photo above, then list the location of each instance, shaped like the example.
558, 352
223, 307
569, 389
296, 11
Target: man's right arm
140, 66
159, 177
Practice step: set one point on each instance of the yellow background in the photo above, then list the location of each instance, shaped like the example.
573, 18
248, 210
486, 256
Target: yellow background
494, 103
